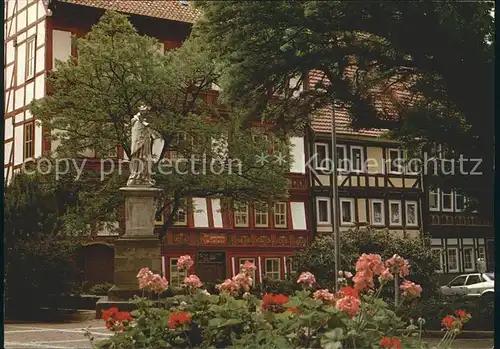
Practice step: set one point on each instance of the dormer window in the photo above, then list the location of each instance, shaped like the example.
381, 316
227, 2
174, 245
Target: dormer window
183, 2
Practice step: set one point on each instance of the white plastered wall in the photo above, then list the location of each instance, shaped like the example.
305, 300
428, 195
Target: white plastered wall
23, 19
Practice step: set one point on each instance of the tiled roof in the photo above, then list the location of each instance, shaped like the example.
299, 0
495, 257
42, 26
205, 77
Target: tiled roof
165, 9
386, 100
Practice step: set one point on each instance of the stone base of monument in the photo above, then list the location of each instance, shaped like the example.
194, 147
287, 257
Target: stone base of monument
138, 248
131, 255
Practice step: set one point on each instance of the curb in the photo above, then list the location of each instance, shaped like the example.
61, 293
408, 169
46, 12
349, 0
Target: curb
60, 316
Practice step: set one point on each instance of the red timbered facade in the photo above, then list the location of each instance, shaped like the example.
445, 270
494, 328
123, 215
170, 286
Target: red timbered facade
220, 238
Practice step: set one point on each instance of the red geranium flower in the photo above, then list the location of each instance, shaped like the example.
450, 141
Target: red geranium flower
273, 302
448, 321
390, 343
280, 299
123, 316
461, 313
178, 319
396, 343
108, 314
349, 291
116, 320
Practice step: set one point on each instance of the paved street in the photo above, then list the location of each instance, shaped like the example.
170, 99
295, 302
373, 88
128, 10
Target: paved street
70, 336
53, 335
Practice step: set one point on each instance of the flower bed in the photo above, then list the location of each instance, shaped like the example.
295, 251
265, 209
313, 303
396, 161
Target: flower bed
354, 316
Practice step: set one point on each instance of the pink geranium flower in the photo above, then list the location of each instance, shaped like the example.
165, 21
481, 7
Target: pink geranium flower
185, 262
345, 274
367, 266
348, 304
398, 265
158, 284
192, 281
145, 276
244, 281
155, 282
363, 280
371, 262
410, 289
306, 278
325, 296
386, 276
229, 286
248, 267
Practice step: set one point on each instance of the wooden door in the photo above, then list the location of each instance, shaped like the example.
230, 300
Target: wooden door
211, 266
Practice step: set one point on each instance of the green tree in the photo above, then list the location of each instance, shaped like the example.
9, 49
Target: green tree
116, 71
319, 257
39, 245
439, 51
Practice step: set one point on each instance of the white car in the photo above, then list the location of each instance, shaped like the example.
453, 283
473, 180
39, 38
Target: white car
473, 285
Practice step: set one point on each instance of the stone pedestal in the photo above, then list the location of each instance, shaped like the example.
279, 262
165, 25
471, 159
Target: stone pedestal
138, 248
132, 254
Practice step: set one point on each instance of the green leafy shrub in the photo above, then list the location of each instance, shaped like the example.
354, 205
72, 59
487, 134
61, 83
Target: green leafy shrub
319, 257
101, 289
286, 287
39, 237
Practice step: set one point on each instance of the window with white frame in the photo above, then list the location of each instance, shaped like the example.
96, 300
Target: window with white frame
377, 212
181, 217
481, 252
176, 276
411, 213
342, 158
30, 57
29, 144
346, 211
434, 199
357, 158
321, 156
292, 266
452, 253
251, 260
280, 215
272, 270
261, 215
459, 202
395, 161
446, 200
241, 215
468, 262
438, 254
323, 210
395, 213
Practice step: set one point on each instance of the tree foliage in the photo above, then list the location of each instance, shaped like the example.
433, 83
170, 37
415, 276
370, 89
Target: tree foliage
116, 71
38, 247
440, 52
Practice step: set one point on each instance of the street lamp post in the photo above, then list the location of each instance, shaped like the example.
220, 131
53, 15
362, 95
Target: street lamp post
335, 200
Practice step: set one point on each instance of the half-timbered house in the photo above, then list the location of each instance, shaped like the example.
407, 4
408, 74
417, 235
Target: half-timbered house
377, 186
460, 235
